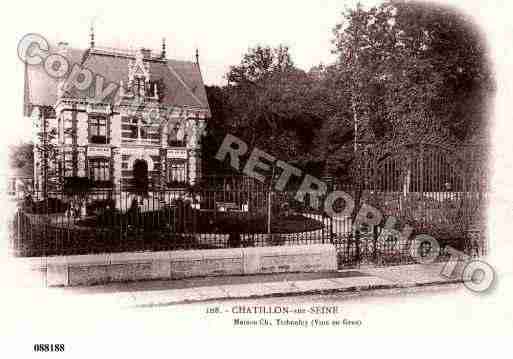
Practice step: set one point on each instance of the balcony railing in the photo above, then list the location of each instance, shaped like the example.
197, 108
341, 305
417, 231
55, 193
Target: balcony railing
141, 141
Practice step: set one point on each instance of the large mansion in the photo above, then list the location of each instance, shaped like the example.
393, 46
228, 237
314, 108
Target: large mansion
152, 122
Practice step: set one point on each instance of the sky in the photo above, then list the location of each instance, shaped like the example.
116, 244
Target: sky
222, 30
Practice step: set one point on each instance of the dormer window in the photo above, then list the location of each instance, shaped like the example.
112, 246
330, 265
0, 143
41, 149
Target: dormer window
139, 86
138, 75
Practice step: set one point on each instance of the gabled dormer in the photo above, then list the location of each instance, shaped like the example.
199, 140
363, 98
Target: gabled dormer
139, 73
138, 85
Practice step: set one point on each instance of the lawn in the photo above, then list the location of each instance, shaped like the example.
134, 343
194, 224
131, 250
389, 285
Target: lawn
199, 221
166, 229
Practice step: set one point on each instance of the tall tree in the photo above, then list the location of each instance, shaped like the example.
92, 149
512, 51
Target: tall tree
21, 155
415, 66
270, 103
259, 63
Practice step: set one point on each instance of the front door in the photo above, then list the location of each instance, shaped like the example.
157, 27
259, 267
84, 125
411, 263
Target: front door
140, 176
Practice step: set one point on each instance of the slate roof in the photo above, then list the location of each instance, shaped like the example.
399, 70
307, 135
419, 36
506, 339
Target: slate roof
183, 83
26, 171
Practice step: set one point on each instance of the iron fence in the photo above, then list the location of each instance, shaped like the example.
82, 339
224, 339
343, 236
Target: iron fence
425, 188
113, 221
240, 212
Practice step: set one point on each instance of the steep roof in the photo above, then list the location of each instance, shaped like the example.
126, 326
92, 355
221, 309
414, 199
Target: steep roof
26, 171
182, 80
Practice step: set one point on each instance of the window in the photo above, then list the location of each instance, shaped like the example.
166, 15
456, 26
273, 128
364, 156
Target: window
176, 136
99, 171
150, 133
153, 88
139, 86
69, 132
98, 130
177, 172
67, 164
135, 129
143, 132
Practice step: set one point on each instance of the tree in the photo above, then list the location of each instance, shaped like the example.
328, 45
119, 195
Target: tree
271, 103
417, 68
283, 110
21, 155
259, 63
216, 129
332, 145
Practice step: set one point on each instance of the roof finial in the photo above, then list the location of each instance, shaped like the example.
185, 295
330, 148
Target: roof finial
91, 34
163, 54
197, 56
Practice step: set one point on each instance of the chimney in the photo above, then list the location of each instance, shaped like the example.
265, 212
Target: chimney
146, 53
91, 36
163, 53
63, 48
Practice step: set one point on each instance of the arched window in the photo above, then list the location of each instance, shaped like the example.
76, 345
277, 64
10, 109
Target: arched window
176, 135
139, 86
177, 172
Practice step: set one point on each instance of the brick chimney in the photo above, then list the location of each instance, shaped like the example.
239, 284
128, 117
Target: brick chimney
63, 48
146, 53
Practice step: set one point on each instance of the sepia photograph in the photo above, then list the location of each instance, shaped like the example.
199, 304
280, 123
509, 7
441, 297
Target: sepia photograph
178, 172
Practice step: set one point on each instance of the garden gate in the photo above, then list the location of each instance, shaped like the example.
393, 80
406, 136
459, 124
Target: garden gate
425, 186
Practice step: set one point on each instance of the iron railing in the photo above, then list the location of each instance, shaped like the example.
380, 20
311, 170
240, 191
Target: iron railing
238, 212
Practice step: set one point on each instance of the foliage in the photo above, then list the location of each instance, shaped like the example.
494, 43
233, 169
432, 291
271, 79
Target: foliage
77, 185
416, 68
260, 63
21, 155
46, 206
403, 70
270, 103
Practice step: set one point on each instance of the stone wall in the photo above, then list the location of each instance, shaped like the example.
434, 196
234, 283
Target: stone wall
115, 267
79, 113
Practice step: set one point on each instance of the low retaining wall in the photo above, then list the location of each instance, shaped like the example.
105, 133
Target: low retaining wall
288, 239
119, 267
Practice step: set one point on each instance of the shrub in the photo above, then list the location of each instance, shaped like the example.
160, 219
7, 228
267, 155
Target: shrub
100, 205
48, 206
74, 185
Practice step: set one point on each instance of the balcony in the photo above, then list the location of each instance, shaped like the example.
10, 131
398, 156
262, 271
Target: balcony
140, 141
139, 135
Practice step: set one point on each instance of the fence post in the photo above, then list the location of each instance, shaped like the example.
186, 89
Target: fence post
269, 202
269, 195
375, 231
421, 170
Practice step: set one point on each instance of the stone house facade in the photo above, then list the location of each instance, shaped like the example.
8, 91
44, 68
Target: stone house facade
150, 125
